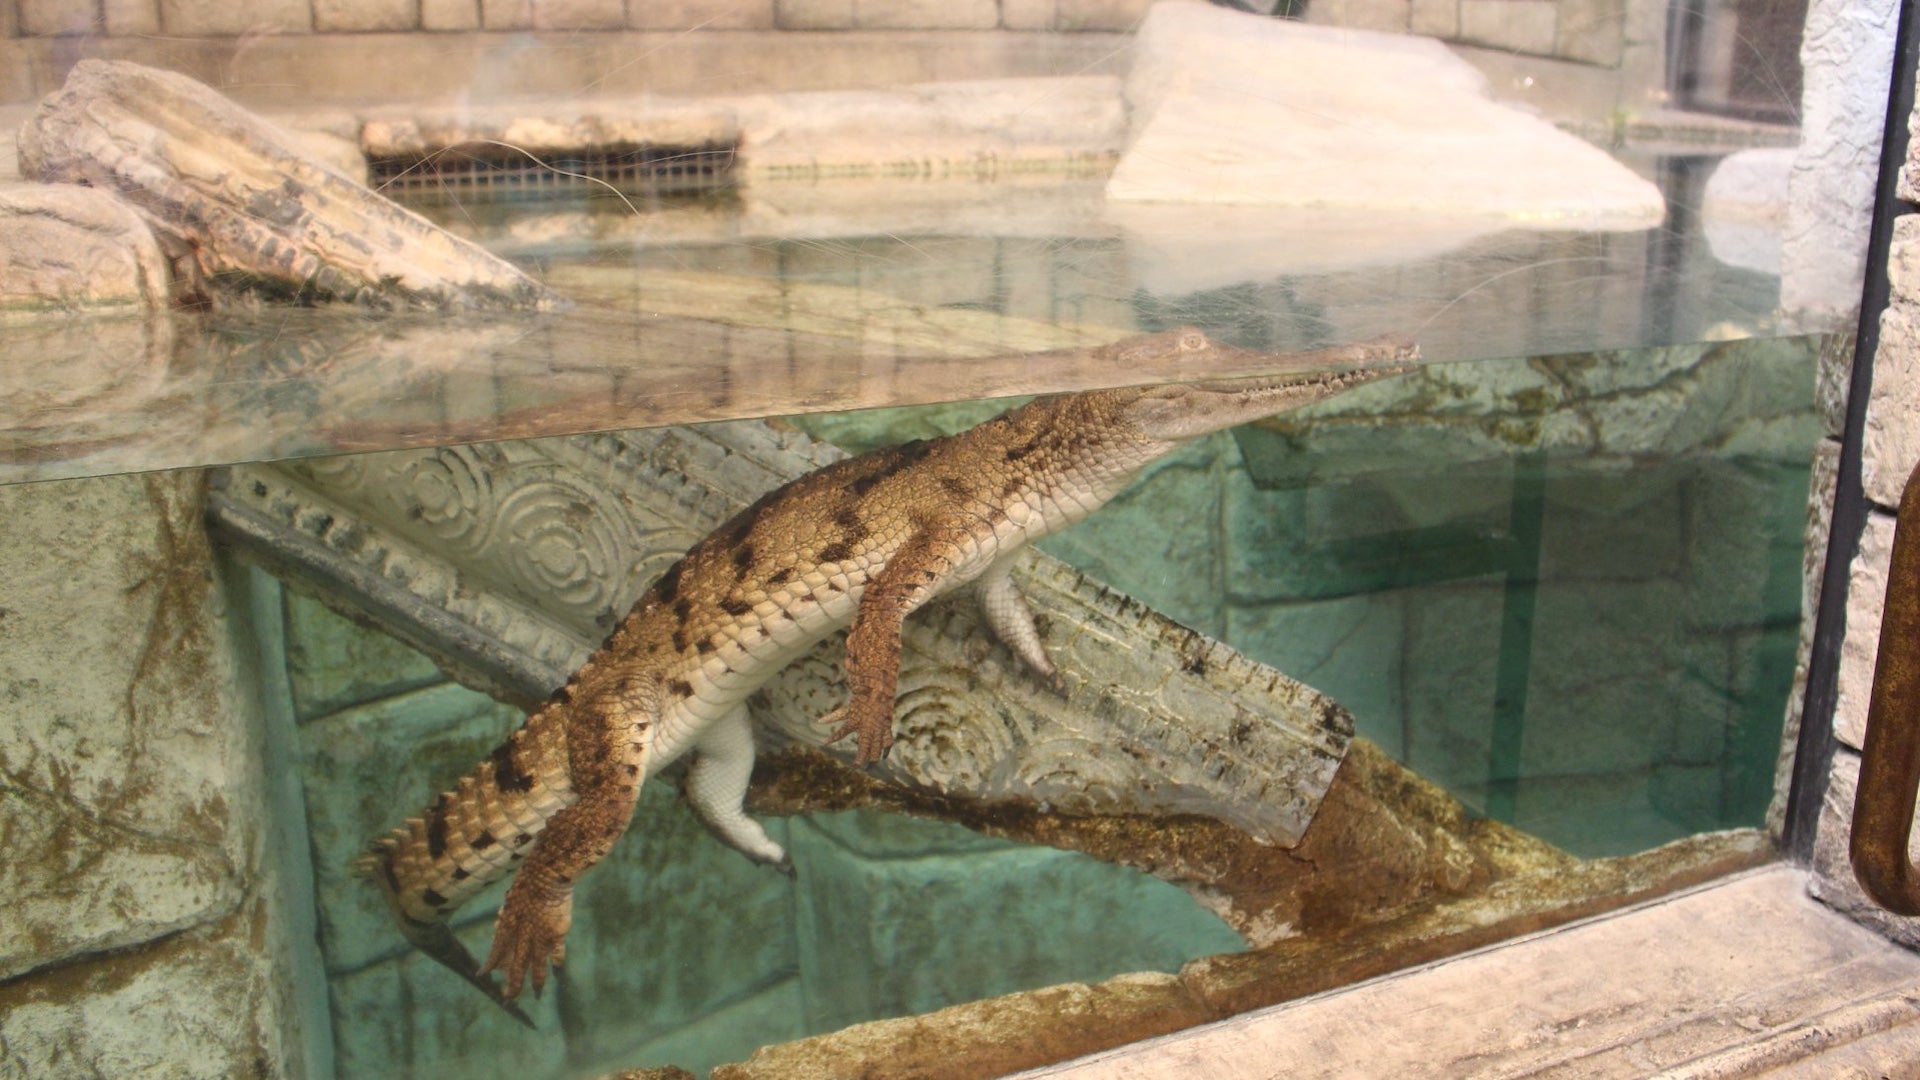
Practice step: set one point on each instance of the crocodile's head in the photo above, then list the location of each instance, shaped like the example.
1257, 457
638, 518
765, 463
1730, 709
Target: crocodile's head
1177, 412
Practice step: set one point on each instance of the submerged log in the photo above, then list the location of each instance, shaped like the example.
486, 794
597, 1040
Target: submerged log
239, 205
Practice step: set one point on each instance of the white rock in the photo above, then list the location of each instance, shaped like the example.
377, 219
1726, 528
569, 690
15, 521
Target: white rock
1890, 446
65, 246
1236, 108
1744, 208
1847, 54
239, 200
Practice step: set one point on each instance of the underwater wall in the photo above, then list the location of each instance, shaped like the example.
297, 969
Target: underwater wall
146, 929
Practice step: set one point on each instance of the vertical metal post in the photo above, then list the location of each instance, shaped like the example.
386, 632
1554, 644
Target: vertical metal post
1890, 763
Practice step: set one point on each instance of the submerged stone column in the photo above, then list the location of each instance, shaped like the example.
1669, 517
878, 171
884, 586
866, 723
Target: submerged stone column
144, 931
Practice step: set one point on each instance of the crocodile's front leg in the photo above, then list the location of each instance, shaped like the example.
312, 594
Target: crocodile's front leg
909, 579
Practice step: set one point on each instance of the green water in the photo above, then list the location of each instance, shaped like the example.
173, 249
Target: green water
1568, 589
1565, 589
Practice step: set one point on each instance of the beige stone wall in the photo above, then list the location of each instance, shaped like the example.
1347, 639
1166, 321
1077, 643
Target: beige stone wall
145, 927
1890, 451
217, 18
1587, 31
1581, 58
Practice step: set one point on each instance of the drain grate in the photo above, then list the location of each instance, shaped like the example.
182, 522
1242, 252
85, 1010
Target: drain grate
494, 170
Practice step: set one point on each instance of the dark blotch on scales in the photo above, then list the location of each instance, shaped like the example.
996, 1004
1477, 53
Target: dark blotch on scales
506, 775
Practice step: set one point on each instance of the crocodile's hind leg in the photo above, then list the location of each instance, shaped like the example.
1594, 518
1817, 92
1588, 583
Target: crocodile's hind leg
1011, 620
607, 751
717, 789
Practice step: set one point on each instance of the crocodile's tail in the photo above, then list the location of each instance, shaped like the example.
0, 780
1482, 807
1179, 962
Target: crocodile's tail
471, 837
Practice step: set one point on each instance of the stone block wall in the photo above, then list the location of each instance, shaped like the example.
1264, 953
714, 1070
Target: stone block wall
1587, 31
149, 914
1584, 31
228, 18
1890, 450
1592, 32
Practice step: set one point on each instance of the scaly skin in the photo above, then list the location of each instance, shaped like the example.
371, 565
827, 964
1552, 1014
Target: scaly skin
862, 543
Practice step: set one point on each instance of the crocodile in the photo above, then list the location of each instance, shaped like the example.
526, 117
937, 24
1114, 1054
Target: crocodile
858, 545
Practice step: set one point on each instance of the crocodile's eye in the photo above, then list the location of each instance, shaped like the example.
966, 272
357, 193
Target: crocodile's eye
1192, 341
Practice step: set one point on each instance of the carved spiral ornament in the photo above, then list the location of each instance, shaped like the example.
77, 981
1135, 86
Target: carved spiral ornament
1070, 773
561, 548
451, 495
944, 739
347, 472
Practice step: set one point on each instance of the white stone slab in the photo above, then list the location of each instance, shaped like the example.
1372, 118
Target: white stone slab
1749, 963
1866, 592
1847, 54
1235, 108
1744, 208
1890, 446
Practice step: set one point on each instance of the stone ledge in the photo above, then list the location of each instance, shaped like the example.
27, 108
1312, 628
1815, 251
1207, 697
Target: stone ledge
1748, 973
974, 130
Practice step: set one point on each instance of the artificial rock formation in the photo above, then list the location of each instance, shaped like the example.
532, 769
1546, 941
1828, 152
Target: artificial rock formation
1231, 108
66, 247
238, 204
144, 932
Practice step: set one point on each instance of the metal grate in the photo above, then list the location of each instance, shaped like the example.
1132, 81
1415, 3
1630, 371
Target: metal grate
494, 170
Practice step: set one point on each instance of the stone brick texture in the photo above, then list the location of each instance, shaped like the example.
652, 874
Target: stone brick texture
701, 14
1590, 31
350, 15
1889, 452
142, 936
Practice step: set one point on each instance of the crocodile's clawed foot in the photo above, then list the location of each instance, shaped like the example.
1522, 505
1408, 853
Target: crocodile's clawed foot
872, 730
528, 937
